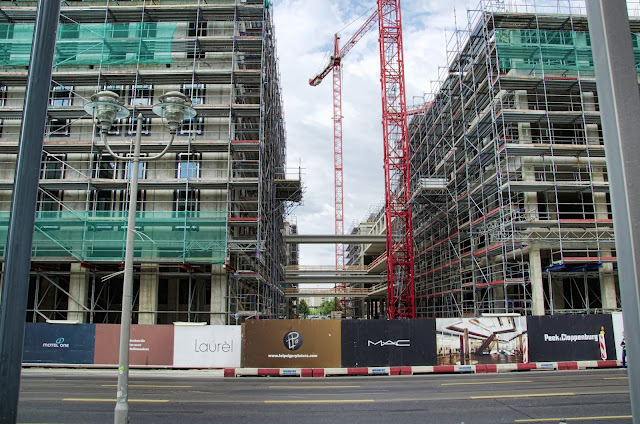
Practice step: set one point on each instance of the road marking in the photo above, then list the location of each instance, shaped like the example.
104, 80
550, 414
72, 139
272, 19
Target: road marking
522, 395
616, 378
322, 401
113, 400
487, 382
149, 385
314, 387
539, 420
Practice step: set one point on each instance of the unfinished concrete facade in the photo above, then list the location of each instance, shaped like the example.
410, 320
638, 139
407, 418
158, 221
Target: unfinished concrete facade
211, 211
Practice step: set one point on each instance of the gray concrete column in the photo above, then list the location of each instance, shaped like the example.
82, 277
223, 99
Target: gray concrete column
173, 299
499, 300
78, 293
601, 209
535, 274
557, 286
148, 303
218, 295
528, 171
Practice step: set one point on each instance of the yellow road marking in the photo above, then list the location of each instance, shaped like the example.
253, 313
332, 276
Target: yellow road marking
113, 400
616, 378
487, 382
313, 387
539, 420
522, 395
149, 385
322, 401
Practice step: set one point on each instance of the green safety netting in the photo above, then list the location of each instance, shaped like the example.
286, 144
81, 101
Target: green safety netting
533, 49
101, 236
93, 44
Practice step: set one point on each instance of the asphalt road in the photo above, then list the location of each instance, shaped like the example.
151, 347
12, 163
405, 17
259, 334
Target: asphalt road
86, 396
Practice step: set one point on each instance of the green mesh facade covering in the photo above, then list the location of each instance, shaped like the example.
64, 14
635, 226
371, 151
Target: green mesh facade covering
533, 49
100, 236
93, 44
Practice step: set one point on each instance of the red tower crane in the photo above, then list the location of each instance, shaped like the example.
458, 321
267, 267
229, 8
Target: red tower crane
399, 233
335, 65
400, 278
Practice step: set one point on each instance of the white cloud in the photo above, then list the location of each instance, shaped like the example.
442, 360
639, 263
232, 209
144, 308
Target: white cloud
305, 32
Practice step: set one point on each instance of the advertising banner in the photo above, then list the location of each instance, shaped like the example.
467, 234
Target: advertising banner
207, 346
148, 344
380, 343
570, 338
499, 339
59, 343
292, 343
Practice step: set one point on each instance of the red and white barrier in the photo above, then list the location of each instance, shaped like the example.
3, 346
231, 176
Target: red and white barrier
411, 370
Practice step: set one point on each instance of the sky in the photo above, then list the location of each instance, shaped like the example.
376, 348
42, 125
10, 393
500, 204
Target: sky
304, 30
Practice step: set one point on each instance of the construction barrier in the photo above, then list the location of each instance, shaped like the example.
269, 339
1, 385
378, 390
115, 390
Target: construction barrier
341, 347
481, 340
382, 343
148, 344
292, 343
59, 343
207, 346
569, 337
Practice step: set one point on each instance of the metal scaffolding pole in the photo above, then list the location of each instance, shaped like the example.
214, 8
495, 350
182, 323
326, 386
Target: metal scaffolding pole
15, 285
617, 82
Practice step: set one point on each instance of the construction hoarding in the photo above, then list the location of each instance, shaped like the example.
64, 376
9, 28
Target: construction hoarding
371, 343
570, 338
59, 343
207, 346
148, 344
496, 339
292, 343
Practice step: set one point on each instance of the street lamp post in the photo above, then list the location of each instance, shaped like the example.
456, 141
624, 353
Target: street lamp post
106, 106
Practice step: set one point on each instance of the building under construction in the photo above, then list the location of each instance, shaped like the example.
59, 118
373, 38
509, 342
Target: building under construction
210, 212
511, 206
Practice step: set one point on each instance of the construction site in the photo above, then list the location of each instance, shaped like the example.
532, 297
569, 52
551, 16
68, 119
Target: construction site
496, 190
512, 212
210, 212
510, 204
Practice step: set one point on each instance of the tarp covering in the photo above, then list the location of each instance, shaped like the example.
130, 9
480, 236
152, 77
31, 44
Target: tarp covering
534, 49
194, 236
93, 44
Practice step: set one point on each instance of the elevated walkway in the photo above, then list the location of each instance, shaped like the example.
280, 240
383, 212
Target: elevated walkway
379, 290
326, 279
335, 239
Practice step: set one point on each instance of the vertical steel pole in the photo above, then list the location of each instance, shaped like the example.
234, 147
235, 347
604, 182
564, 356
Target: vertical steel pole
121, 415
617, 82
15, 287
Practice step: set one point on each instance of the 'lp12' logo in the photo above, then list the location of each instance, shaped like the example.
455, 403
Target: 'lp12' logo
292, 340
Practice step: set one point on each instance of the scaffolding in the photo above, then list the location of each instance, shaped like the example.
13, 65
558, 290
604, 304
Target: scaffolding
511, 198
210, 212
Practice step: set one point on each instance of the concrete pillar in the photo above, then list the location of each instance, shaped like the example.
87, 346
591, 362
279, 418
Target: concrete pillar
557, 286
78, 291
148, 303
535, 274
607, 278
499, 301
218, 295
173, 299
528, 171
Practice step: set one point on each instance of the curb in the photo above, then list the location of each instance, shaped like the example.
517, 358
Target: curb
416, 370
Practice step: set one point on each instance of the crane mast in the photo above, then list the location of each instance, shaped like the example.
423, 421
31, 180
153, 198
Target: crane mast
400, 275
337, 152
